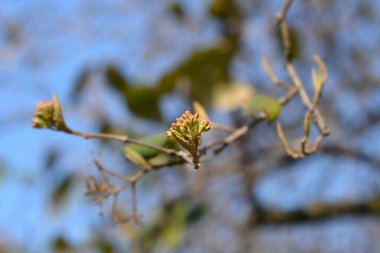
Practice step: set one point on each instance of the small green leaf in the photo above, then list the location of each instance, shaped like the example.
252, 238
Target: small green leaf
261, 103
137, 159
157, 139
140, 155
162, 160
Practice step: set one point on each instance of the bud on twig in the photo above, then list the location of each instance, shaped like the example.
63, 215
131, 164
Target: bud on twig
48, 114
187, 132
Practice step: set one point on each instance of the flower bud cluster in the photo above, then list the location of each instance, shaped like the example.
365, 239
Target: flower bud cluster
48, 114
187, 132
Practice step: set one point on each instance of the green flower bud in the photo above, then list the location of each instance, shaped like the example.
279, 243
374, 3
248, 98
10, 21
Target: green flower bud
187, 132
48, 114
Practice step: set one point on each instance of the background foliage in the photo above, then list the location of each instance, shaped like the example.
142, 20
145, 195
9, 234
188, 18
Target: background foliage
133, 67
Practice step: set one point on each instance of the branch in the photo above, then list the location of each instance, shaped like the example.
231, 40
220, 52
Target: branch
336, 150
284, 32
316, 212
318, 78
126, 139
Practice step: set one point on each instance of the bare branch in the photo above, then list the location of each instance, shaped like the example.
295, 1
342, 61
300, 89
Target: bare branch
284, 32
272, 76
316, 212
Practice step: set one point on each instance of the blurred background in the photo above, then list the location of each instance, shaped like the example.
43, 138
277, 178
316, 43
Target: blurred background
131, 67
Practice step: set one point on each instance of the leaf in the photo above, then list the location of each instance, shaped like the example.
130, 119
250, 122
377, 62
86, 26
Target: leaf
104, 246
195, 213
136, 158
162, 160
224, 9
198, 108
318, 78
80, 83
177, 10
262, 103
157, 139
173, 234
116, 79
61, 191
322, 70
167, 229
140, 155
60, 244
202, 72
143, 101
294, 47
233, 96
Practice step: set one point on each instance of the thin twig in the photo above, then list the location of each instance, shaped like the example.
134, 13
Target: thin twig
101, 167
126, 139
135, 215
268, 70
218, 126
284, 31
311, 106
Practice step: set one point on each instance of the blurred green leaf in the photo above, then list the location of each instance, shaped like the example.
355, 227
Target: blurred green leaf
60, 245
116, 79
164, 160
173, 234
105, 247
169, 225
136, 158
195, 213
203, 71
106, 126
61, 191
142, 156
81, 83
224, 9
142, 100
158, 139
295, 46
262, 103
235, 95
176, 9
